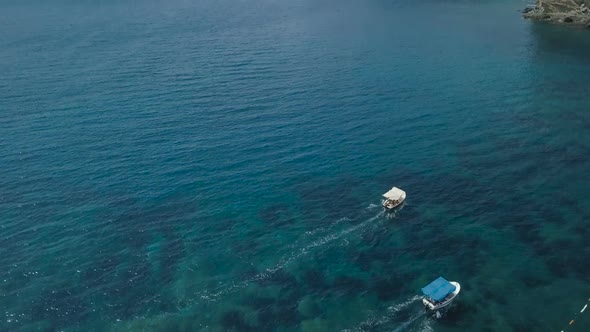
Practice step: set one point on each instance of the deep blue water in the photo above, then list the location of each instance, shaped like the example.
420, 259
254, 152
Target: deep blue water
217, 165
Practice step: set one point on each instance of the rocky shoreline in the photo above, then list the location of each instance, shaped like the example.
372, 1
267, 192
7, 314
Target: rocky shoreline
573, 12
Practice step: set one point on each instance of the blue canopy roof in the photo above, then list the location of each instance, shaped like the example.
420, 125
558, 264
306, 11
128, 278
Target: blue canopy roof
438, 289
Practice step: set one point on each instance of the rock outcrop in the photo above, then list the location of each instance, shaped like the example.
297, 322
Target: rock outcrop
575, 12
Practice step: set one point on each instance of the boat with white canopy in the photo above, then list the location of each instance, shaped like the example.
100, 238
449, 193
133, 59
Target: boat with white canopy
440, 293
394, 198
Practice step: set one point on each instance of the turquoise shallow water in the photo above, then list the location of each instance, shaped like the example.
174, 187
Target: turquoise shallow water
218, 166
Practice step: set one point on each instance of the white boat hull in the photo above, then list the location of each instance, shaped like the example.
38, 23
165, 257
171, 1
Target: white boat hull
389, 205
446, 302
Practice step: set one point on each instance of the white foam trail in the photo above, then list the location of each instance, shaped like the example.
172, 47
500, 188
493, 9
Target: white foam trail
320, 242
322, 229
410, 321
225, 289
398, 307
425, 326
391, 313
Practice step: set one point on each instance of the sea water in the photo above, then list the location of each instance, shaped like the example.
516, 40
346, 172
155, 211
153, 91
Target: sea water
218, 165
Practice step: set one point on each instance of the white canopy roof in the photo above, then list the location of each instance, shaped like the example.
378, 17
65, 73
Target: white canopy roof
394, 194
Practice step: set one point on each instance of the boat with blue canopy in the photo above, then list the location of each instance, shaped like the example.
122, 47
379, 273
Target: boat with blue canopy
440, 293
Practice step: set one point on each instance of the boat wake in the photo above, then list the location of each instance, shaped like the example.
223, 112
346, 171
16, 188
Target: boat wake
400, 306
411, 320
389, 318
425, 326
288, 259
320, 230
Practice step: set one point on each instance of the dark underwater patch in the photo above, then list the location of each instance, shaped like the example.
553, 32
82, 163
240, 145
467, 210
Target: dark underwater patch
266, 319
348, 285
259, 302
457, 314
275, 215
447, 246
527, 231
233, 320
119, 271
494, 296
100, 271
366, 258
567, 259
363, 261
60, 306
476, 254
527, 325
171, 255
288, 297
314, 279
387, 289
549, 215
534, 280
247, 247
284, 316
